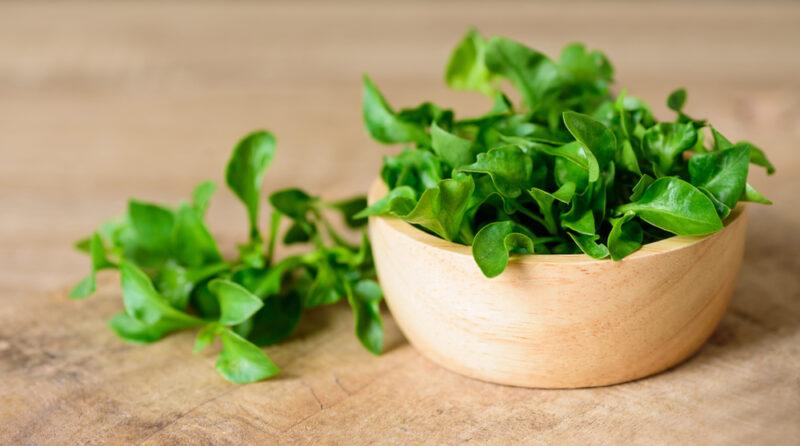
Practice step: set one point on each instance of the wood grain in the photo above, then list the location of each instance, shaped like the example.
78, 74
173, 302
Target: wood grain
103, 101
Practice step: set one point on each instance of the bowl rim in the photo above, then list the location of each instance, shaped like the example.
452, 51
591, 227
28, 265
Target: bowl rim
675, 243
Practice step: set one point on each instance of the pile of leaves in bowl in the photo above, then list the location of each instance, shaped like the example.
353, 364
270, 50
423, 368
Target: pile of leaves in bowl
573, 168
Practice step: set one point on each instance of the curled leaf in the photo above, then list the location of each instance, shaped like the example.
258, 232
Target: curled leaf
625, 237
588, 244
495, 242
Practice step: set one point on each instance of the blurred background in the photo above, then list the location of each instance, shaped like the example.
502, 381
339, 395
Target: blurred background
101, 101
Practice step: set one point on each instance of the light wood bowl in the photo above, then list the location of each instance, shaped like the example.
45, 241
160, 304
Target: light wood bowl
557, 321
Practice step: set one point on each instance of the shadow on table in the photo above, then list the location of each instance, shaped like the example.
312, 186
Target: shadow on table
333, 321
766, 303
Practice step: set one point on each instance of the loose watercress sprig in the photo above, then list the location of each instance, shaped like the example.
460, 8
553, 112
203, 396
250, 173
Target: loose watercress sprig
571, 169
174, 277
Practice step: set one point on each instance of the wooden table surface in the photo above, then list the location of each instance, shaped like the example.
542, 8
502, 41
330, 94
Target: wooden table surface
102, 101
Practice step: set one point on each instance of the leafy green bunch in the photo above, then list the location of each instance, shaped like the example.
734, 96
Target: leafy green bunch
572, 169
174, 277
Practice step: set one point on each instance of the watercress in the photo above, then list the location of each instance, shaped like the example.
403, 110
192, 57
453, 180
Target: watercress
573, 168
174, 277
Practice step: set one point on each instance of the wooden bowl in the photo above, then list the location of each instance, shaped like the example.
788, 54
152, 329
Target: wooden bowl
557, 321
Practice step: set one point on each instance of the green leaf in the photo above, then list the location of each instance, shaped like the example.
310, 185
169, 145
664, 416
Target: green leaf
120, 237
418, 169
241, 362
193, 244
251, 254
268, 283
501, 105
565, 172
455, 151
677, 99
581, 66
97, 253
134, 331
720, 141
495, 242
666, 141
201, 197
758, 157
363, 257
399, 202
174, 283
588, 244
424, 115
143, 303
754, 196
85, 288
365, 301
292, 202
237, 304
486, 193
545, 202
534, 75
638, 190
82, 245
245, 173
441, 209
580, 216
625, 237
593, 135
277, 319
350, 208
573, 151
723, 173
298, 232
508, 166
626, 158
676, 206
206, 336
325, 289
466, 69
204, 301
383, 123
722, 209
153, 226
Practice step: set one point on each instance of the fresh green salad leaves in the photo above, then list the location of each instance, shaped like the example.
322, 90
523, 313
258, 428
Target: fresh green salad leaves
174, 277
571, 169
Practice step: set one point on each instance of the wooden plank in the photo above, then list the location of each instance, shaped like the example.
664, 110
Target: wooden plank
105, 101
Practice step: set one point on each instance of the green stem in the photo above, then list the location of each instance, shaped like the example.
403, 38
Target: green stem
335, 237
208, 271
529, 214
275, 222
